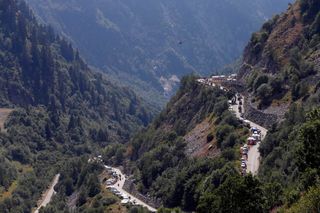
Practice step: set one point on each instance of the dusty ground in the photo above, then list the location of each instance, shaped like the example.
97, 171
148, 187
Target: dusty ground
4, 113
197, 145
48, 194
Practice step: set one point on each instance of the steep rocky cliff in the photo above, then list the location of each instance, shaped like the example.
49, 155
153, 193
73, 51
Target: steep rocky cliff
281, 62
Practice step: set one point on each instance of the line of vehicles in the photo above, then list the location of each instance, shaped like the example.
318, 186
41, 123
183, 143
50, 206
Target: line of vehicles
255, 135
251, 141
124, 197
113, 182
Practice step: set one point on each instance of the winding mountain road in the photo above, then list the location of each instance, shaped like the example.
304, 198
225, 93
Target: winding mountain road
119, 186
253, 161
47, 196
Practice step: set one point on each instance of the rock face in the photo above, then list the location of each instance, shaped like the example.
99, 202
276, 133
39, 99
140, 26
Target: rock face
281, 62
269, 49
261, 118
197, 142
130, 187
142, 42
266, 117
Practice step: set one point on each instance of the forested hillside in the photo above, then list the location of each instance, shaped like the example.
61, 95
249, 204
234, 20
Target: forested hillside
207, 183
148, 44
290, 159
40, 68
288, 179
281, 67
282, 59
188, 158
61, 109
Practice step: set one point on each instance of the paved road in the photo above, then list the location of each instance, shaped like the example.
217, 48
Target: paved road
253, 162
254, 154
119, 186
48, 194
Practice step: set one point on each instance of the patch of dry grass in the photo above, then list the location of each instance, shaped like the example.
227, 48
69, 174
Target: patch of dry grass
8, 193
22, 169
4, 113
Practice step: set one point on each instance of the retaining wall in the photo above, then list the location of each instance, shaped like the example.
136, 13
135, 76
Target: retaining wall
129, 186
263, 119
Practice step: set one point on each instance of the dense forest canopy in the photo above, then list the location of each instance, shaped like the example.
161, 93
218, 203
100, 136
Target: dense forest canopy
40, 68
64, 113
61, 108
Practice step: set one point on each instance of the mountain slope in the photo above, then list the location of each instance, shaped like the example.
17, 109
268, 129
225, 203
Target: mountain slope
281, 71
146, 45
288, 179
61, 108
281, 62
39, 68
160, 159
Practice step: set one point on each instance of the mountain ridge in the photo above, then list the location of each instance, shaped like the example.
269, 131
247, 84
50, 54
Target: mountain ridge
139, 43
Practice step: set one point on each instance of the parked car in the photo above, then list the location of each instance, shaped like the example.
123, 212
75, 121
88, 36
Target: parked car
257, 137
255, 129
247, 123
244, 149
251, 141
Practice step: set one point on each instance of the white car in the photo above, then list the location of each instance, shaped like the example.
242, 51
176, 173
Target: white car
125, 201
124, 196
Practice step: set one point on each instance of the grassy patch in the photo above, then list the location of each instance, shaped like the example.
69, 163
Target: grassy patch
22, 169
8, 193
4, 113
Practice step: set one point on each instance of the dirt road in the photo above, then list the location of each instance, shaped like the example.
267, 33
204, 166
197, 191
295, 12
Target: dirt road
254, 154
47, 196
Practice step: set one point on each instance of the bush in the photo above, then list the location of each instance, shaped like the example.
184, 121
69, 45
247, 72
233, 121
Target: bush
220, 107
222, 132
230, 119
276, 85
210, 137
230, 141
299, 90
108, 201
264, 91
261, 79
310, 202
228, 154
